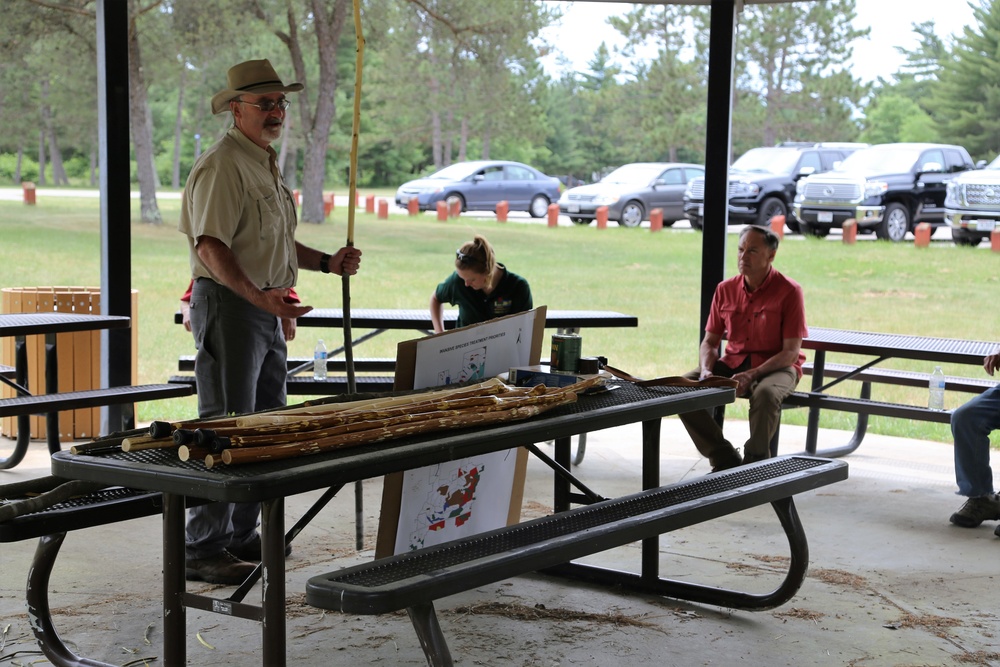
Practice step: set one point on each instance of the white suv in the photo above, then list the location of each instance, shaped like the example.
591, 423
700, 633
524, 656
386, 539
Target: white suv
972, 204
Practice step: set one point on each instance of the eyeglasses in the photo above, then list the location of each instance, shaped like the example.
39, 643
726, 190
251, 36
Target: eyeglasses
267, 106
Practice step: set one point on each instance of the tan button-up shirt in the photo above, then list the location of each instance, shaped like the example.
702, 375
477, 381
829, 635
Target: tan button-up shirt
235, 194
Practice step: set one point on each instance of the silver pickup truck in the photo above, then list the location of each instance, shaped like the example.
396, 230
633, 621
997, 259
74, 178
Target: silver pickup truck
972, 204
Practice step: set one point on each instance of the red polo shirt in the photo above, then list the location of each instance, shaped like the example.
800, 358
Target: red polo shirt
755, 324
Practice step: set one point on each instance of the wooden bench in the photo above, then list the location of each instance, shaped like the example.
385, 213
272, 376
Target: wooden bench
305, 385
52, 404
413, 580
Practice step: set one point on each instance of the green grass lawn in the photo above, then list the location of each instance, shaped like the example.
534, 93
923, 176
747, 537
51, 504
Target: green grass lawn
937, 291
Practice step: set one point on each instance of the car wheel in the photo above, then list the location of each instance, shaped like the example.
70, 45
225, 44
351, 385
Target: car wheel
769, 208
964, 238
454, 196
895, 223
698, 223
632, 214
813, 230
581, 221
669, 223
793, 225
539, 206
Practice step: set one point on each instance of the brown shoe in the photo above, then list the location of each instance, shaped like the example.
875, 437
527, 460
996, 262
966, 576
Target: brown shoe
250, 551
222, 568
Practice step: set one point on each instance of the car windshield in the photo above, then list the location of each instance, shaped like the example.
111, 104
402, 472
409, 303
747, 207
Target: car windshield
768, 161
634, 173
882, 159
455, 172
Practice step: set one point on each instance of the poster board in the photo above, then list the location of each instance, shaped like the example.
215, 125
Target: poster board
442, 502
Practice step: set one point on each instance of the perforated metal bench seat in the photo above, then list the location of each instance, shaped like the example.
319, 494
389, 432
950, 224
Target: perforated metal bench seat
902, 378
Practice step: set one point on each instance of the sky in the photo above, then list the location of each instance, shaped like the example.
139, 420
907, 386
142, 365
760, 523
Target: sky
584, 26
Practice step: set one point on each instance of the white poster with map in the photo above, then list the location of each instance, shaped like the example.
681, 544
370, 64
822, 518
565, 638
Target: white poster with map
446, 501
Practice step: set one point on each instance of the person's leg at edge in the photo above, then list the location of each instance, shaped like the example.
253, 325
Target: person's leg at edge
765, 411
971, 425
706, 433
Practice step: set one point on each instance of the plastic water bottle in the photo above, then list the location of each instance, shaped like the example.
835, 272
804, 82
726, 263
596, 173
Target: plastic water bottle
319, 361
936, 399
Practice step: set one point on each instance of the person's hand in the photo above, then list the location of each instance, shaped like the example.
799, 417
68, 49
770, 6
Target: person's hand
346, 262
288, 328
186, 315
274, 301
992, 362
745, 379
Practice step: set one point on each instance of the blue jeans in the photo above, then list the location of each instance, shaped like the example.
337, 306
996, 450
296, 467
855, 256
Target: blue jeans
971, 425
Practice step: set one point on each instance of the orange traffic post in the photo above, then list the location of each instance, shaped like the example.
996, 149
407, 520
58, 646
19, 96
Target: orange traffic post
850, 231
922, 235
995, 240
29, 193
370, 204
442, 210
327, 204
656, 220
778, 226
553, 215
383, 209
503, 207
413, 206
602, 217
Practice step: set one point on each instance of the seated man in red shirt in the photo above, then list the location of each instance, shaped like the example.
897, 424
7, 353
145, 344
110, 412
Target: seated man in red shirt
761, 314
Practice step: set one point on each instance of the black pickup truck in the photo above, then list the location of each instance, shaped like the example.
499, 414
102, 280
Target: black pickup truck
887, 188
762, 181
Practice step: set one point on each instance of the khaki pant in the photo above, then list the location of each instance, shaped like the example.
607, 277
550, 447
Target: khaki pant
765, 395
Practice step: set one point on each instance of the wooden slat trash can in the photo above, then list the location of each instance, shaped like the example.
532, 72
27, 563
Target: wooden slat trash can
79, 355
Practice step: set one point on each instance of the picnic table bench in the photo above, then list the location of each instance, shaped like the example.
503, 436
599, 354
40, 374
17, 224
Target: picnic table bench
415, 579
25, 403
881, 346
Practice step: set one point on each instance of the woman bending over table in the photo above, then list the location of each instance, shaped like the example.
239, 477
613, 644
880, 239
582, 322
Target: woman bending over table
481, 287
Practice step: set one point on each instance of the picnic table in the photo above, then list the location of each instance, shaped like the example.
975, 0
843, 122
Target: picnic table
270, 482
881, 347
25, 403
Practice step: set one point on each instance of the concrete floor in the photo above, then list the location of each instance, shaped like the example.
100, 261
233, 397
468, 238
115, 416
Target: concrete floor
890, 582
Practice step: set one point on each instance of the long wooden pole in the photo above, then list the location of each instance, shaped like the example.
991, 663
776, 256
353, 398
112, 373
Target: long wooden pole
359, 529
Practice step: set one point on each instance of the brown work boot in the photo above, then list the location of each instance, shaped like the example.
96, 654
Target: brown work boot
222, 568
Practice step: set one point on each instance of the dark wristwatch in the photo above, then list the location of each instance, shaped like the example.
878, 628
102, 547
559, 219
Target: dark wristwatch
324, 263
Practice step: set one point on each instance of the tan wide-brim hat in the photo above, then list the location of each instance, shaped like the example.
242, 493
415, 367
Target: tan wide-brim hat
254, 76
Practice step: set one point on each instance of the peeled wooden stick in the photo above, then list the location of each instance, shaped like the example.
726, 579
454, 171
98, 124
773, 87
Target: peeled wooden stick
238, 455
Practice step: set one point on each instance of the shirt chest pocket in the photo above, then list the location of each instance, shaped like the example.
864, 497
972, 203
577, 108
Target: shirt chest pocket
266, 206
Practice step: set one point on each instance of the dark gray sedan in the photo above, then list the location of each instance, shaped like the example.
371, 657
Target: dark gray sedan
631, 192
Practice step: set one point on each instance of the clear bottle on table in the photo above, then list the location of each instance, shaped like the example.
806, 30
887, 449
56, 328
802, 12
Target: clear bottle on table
935, 400
319, 361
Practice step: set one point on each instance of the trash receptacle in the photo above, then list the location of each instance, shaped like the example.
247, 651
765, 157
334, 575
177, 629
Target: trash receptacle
29, 192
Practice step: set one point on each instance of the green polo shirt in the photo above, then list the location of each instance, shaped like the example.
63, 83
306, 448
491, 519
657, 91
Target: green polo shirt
511, 295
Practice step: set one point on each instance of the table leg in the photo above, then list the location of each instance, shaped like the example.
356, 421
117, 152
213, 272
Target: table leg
272, 537
650, 480
812, 424
561, 489
23, 421
51, 387
174, 615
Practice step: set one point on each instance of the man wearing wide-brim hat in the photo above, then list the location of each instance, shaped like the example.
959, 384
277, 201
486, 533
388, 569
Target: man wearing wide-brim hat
240, 221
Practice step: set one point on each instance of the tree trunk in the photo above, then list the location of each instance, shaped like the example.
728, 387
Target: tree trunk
93, 167
175, 174
286, 148
142, 136
436, 129
463, 144
41, 157
17, 165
